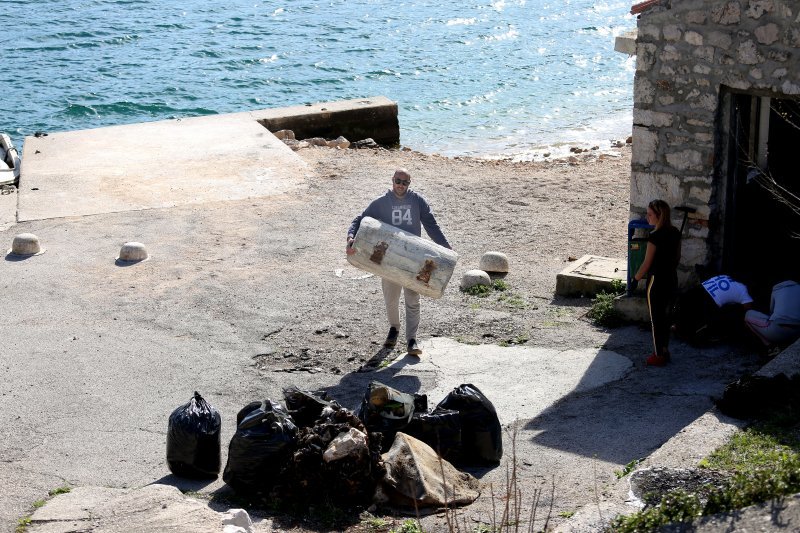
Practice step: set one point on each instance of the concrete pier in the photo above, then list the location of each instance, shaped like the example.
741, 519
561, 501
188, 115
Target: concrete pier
361, 118
182, 161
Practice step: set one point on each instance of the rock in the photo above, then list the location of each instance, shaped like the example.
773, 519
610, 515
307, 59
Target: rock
475, 277
352, 443
237, 518
316, 141
365, 143
546, 154
340, 143
284, 134
629, 140
494, 262
295, 145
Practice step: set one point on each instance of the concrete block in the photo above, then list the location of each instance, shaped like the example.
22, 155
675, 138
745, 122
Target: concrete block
589, 275
626, 43
633, 308
361, 118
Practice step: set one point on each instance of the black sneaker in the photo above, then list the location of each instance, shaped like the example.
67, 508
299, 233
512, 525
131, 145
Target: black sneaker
391, 338
413, 348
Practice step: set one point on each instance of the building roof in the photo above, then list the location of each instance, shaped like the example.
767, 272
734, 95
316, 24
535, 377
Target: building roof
643, 6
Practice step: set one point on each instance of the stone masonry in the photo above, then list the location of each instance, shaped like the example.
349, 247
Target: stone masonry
687, 54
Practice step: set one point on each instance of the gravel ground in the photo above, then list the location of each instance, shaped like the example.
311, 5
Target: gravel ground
542, 215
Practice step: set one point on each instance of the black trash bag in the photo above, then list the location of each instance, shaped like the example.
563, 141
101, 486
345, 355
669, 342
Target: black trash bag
264, 441
305, 407
439, 429
481, 434
193, 440
386, 410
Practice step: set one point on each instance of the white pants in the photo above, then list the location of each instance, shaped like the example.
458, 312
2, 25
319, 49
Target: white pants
391, 295
769, 331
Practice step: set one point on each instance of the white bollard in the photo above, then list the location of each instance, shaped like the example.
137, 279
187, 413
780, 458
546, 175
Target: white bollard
475, 277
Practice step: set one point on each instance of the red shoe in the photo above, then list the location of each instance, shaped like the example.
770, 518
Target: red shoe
657, 360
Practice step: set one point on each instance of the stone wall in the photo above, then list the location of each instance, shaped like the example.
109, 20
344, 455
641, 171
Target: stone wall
687, 54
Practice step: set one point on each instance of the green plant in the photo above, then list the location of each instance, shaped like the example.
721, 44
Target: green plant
627, 469
39, 503
409, 526
617, 287
676, 506
765, 460
374, 523
566, 514
60, 490
478, 290
22, 524
602, 313
500, 285
513, 300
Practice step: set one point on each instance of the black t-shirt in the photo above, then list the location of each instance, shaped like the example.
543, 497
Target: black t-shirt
667, 241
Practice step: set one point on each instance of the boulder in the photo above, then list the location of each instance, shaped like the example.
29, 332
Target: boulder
340, 143
284, 134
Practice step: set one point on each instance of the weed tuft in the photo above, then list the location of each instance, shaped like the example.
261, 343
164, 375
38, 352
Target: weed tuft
408, 526
603, 313
628, 469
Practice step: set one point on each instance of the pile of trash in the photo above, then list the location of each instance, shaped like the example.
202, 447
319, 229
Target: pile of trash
394, 452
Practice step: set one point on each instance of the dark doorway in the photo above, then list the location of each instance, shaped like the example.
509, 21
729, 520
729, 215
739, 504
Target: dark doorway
762, 225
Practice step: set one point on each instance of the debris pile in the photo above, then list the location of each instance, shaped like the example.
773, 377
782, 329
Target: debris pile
314, 450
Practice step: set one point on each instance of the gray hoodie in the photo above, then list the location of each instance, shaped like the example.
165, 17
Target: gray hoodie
408, 213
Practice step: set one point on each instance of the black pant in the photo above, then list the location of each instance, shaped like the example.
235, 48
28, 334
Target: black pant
660, 293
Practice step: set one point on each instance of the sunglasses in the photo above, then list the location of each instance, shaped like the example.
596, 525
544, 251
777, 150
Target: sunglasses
398, 181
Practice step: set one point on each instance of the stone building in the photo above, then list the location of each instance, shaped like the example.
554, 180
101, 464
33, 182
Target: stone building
716, 113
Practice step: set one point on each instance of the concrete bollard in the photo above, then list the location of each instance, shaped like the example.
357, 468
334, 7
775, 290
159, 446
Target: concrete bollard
132, 252
475, 277
494, 262
25, 245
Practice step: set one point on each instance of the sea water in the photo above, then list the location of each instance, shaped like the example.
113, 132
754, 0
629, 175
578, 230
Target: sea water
494, 78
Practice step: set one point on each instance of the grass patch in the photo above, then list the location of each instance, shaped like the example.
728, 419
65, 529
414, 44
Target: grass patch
409, 526
478, 290
22, 524
765, 463
374, 523
602, 312
566, 514
25, 521
500, 285
513, 300
60, 490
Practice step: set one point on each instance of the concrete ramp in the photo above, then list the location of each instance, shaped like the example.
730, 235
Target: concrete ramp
154, 165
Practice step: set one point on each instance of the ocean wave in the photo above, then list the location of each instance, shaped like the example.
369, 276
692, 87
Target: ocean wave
461, 22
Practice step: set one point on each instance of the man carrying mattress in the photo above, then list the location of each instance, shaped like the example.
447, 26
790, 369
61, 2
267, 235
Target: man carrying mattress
402, 208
